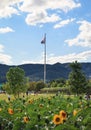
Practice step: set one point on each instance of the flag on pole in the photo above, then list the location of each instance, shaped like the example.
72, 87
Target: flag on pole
43, 41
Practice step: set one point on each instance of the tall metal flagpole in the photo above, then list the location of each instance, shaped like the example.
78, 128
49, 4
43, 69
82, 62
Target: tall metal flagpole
45, 59
44, 42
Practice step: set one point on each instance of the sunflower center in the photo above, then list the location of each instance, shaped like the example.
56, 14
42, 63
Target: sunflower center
64, 114
57, 119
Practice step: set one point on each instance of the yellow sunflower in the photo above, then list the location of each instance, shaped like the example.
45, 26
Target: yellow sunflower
57, 119
75, 112
41, 105
26, 119
0, 109
30, 101
63, 114
10, 111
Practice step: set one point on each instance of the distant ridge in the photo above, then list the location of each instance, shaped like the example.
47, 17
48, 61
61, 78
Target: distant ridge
35, 71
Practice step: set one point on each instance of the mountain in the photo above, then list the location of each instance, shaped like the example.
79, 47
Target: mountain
36, 71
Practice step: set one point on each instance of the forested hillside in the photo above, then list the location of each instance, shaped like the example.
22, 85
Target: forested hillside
35, 71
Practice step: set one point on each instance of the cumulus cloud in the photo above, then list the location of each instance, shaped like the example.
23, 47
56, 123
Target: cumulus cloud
8, 8
4, 58
41, 17
63, 23
39, 5
6, 30
7, 12
80, 57
84, 37
31, 62
38, 10
52, 59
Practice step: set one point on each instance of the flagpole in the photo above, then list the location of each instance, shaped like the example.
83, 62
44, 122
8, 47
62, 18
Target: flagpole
44, 42
45, 60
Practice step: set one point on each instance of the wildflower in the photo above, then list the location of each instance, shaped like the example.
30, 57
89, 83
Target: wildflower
30, 101
36, 126
57, 119
80, 118
41, 105
75, 112
10, 111
49, 98
63, 114
0, 109
26, 119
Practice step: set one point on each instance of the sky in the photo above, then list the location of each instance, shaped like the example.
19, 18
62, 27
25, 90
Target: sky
23, 23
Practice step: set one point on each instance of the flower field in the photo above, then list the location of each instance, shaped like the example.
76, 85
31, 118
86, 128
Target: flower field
57, 112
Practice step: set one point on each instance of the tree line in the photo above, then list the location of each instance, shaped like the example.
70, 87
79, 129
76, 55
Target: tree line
76, 83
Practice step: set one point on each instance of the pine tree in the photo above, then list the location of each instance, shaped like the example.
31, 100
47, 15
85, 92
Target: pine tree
77, 80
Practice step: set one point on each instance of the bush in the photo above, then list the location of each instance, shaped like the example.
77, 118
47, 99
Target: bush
65, 90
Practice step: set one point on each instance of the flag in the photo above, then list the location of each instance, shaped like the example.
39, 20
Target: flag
43, 41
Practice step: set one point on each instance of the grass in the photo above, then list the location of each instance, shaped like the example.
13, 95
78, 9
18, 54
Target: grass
33, 96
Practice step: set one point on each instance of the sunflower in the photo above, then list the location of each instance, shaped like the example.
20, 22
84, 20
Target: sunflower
49, 98
30, 101
10, 111
26, 119
63, 114
75, 112
57, 119
0, 109
41, 105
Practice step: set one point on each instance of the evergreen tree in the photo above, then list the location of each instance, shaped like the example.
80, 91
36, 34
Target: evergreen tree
77, 80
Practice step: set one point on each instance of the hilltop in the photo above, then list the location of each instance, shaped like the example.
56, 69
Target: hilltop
35, 71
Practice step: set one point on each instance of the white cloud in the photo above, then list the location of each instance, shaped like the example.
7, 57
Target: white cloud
8, 8
4, 58
7, 12
63, 23
80, 57
38, 10
52, 59
39, 5
31, 62
6, 30
84, 37
41, 17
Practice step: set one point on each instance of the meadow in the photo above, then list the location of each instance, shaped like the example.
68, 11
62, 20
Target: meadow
45, 112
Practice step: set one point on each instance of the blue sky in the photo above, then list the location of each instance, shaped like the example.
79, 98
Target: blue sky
23, 23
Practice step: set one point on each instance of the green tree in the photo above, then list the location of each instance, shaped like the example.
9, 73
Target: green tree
40, 85
57, 82
16, 81
53, 83
77, 80
32, 86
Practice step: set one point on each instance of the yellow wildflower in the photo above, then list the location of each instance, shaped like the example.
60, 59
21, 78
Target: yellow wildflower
57, 119
75, 112
63, 114
26, 119
10, 111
